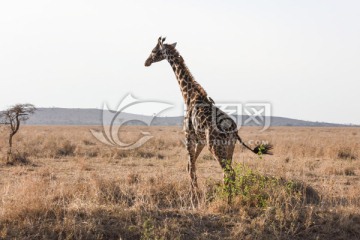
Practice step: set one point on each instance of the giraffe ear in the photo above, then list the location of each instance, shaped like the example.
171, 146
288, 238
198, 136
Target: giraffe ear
173, 45
163, 40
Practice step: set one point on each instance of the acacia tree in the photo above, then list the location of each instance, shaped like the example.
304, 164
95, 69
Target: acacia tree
12, 117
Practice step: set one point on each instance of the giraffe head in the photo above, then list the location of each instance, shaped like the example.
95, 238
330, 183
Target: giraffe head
159, 53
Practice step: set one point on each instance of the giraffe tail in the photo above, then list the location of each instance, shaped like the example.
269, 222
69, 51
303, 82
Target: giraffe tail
259, 149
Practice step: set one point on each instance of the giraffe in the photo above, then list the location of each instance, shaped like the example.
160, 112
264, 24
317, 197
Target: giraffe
204, 123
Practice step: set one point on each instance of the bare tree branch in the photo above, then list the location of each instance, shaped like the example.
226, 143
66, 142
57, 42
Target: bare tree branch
13, 116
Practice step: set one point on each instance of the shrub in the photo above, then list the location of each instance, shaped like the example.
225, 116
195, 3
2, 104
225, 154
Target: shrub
66, 149
88, 143
350, 171
20, 158
346, 153
256, 190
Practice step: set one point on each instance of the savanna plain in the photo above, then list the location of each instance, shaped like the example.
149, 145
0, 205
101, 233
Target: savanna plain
64, 184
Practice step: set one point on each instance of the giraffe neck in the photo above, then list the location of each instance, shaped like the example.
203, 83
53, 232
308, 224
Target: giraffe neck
190, 89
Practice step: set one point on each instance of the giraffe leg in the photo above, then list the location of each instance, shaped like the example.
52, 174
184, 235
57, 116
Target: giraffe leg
194, 148
229, 155
223, 154
192, 160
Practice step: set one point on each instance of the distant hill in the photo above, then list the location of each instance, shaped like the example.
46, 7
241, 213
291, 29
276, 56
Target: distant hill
78, 116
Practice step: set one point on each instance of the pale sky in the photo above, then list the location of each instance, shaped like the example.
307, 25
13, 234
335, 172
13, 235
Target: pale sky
301, 56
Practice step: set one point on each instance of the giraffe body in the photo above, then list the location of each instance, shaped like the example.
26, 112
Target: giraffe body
204, 123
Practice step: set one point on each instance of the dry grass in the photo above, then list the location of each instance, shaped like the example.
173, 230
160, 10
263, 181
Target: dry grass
73, 187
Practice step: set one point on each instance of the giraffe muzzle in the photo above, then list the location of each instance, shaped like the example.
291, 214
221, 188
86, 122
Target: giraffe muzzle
148, 62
